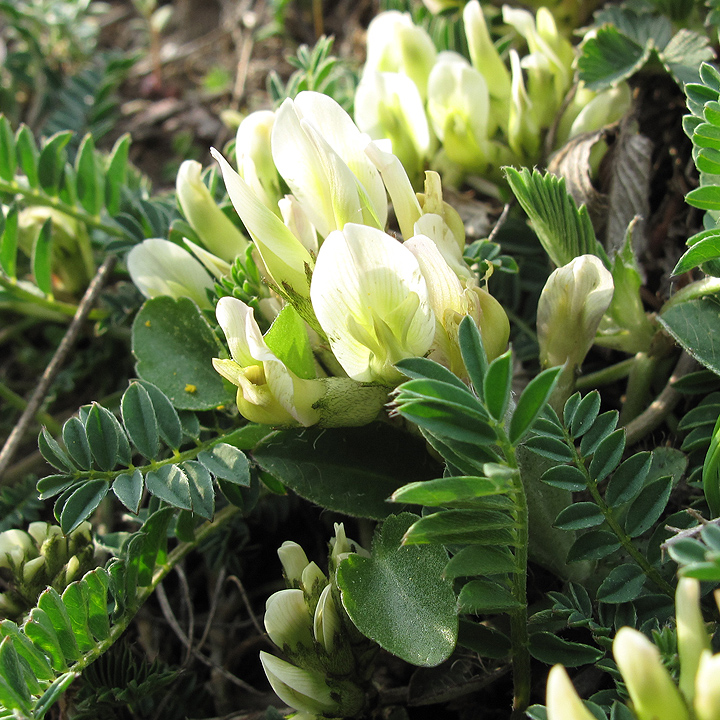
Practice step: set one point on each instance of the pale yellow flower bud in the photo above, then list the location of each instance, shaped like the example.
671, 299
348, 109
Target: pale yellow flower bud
692, 637
563, 702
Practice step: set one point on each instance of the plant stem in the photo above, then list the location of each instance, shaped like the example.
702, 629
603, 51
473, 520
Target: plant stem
625, 540
519, 618
19, 402
605, 376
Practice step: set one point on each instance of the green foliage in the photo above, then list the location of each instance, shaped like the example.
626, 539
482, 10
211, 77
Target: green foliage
564, 230
692, 324
627, 38
697, 552
98, 456
317, 70
629, 504
19, 505
398, 596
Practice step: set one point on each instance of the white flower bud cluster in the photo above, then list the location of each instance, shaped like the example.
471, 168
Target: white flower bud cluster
328, 661
42, 556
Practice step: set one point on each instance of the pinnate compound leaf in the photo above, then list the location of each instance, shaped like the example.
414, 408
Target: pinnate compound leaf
14, 693
128, 488
593, 545
550, 649
82, 503
399, 598
486, 596
607, 455
579, 516
693, 324
531, 403
169, 483
36, 660
336, 469
228, 463
628, 479
684, 54
623, 584
648, 507
174, 347
39, 628
139, 419
564, 230
602, 427
103, 436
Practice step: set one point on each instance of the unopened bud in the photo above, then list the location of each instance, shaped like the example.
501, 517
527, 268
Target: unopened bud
563, 702
707, 687
294, 561
692, 637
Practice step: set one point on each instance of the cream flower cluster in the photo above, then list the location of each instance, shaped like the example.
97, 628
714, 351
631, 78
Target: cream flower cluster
482, 115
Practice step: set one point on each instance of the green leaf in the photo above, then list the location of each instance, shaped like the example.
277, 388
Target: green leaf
570, 408
480, 560
9, 243
593, 545
531, 403
443, 491
457, 527
90, 190
648, 507
53, 694
585, 414
39, 628
399, 598
349, 470
103, 437
27, 155
564, 231
607, 455
152, 548
52, 485
565, 477
551, 649
36, 660
168, 419
76, 443
485, 596
174, 347
169, 483
116, 173
139, 419
623, 584
97, 583
705, 197
579, 516
602, 427
228, 463
694, 324
14, 694
201, 489
473, 353
82, 503
687, 551
128, 488
628, 479
52, 161
288, 339
707, 161
484, 640
609, 58
42, 258
75, 601
550, 448
422, 368
497, 385
684, 54
8, 158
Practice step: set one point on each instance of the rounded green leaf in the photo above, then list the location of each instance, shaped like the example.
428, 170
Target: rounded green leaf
593, 545
484, 596
623, 584
480, 560
399, 598
565, 477
579, 516
82, 503
550, 448
169, 483
201, 489
139, 419
128, 487
76, 443
228, 463
174, 347
102, 434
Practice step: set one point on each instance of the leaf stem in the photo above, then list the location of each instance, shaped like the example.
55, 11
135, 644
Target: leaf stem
518, 618
607, 375
625, 540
